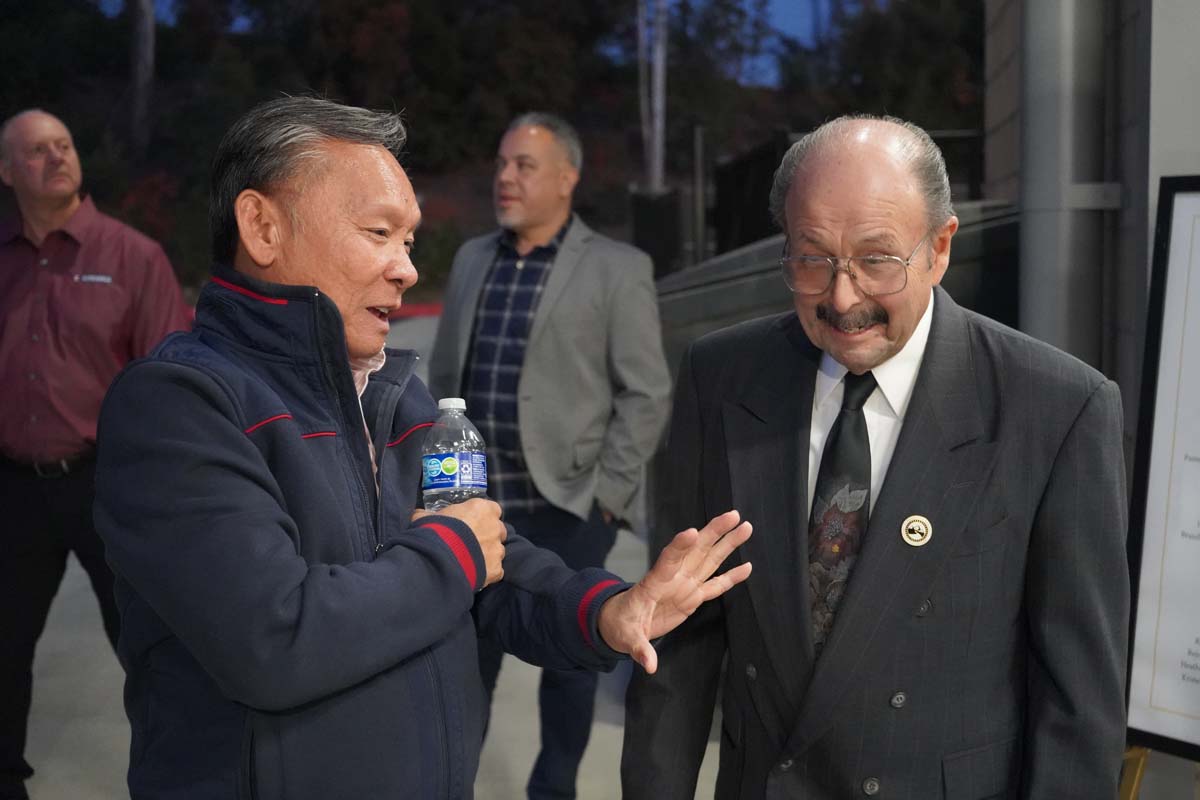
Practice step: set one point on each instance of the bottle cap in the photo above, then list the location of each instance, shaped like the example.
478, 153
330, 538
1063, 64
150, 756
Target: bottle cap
452, 402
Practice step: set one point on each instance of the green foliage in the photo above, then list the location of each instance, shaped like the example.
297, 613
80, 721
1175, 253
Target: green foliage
460, 70
715, 46
921, 60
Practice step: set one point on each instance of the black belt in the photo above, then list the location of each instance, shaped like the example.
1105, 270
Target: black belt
55, 469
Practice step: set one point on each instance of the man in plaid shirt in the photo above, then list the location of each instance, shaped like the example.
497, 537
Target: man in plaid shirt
550, 331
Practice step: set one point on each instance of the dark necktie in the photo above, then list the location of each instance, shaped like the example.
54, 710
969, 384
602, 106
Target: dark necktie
841, 506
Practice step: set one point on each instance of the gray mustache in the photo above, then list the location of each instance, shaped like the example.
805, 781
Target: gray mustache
853, 319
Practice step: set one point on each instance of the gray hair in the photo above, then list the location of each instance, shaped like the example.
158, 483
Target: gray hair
923, 155
268, 147
562, 131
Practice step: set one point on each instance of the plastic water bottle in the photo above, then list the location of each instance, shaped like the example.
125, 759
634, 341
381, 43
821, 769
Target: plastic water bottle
453, 462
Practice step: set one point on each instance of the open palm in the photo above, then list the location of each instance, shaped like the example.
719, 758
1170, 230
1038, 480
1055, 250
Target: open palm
680, 580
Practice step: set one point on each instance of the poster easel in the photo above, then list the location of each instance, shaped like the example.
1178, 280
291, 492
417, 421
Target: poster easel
1164, 536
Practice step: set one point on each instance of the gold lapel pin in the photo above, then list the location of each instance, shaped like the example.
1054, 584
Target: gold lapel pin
916, 530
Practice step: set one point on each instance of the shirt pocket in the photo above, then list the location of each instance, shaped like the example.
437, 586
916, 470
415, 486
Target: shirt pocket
89, 310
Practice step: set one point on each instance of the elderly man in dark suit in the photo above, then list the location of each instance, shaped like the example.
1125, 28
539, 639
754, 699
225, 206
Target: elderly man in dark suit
941, 602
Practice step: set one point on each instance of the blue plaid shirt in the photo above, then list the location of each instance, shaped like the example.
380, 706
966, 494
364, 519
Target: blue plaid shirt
502, 323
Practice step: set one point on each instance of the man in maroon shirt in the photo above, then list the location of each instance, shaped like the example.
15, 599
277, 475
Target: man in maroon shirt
80, 296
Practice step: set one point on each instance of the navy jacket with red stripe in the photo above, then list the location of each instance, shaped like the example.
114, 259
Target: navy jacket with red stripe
287, 632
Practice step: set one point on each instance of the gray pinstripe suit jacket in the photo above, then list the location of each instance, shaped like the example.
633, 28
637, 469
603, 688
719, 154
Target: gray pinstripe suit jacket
989, 663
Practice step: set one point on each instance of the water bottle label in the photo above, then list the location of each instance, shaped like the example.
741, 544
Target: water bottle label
454, 471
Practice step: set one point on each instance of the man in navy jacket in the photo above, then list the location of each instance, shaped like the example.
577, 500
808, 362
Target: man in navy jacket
292, 628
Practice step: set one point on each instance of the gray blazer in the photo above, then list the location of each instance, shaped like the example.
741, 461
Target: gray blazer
593, 394
988, 663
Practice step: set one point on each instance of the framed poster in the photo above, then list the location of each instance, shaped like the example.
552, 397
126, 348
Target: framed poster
1164, 520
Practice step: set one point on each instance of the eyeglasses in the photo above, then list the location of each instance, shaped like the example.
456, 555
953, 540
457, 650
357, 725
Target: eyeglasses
874, 275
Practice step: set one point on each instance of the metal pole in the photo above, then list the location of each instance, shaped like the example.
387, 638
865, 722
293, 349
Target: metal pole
658, 102
142, 73
1063, 193
699, 197
643, 42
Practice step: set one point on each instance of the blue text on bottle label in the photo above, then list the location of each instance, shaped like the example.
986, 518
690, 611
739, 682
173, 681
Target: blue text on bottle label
454, 471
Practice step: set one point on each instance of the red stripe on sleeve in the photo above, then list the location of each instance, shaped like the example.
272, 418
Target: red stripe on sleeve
275, 301
584, 607
458, 547
409, 432
258, 425
315, 434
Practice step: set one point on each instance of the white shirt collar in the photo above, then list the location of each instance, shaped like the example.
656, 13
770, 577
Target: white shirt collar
362, 368
896, 377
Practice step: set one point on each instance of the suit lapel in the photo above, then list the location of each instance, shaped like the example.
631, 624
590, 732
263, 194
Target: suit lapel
480, 264
939, 465
566, 264
766, 433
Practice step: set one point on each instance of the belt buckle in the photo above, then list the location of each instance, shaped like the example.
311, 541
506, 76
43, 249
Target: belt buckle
45, 471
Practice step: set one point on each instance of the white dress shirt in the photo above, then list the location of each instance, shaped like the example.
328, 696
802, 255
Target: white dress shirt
884, 410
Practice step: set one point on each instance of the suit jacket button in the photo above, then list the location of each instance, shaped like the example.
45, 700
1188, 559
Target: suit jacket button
925, 607
899, 699
784, 766
751, 672
871, 787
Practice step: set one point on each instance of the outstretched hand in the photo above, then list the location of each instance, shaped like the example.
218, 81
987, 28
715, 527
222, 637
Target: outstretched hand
675, 586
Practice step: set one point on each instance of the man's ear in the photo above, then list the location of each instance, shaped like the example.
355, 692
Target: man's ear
259, 221
5, 171
567, 180
939, 248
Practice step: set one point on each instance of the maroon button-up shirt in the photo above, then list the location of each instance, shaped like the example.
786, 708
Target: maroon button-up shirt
73, 312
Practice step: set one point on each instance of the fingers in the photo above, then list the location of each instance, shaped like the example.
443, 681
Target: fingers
643, 653
700, 561
700, 553
486, 506
718, 526
722, 549
673, 554
715, 587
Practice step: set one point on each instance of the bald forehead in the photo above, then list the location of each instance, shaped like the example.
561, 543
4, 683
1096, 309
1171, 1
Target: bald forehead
23, 122
870, 138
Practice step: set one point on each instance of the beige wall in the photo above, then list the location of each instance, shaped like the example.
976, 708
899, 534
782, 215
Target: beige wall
1174, 146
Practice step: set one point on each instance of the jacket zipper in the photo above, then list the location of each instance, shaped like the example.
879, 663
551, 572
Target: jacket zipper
383, 419
364, 498
439, 724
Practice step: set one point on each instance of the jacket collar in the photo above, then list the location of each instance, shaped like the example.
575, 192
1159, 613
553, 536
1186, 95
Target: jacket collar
295, 322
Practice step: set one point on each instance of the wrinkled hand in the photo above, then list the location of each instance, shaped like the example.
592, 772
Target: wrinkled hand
482, 516
674, 587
